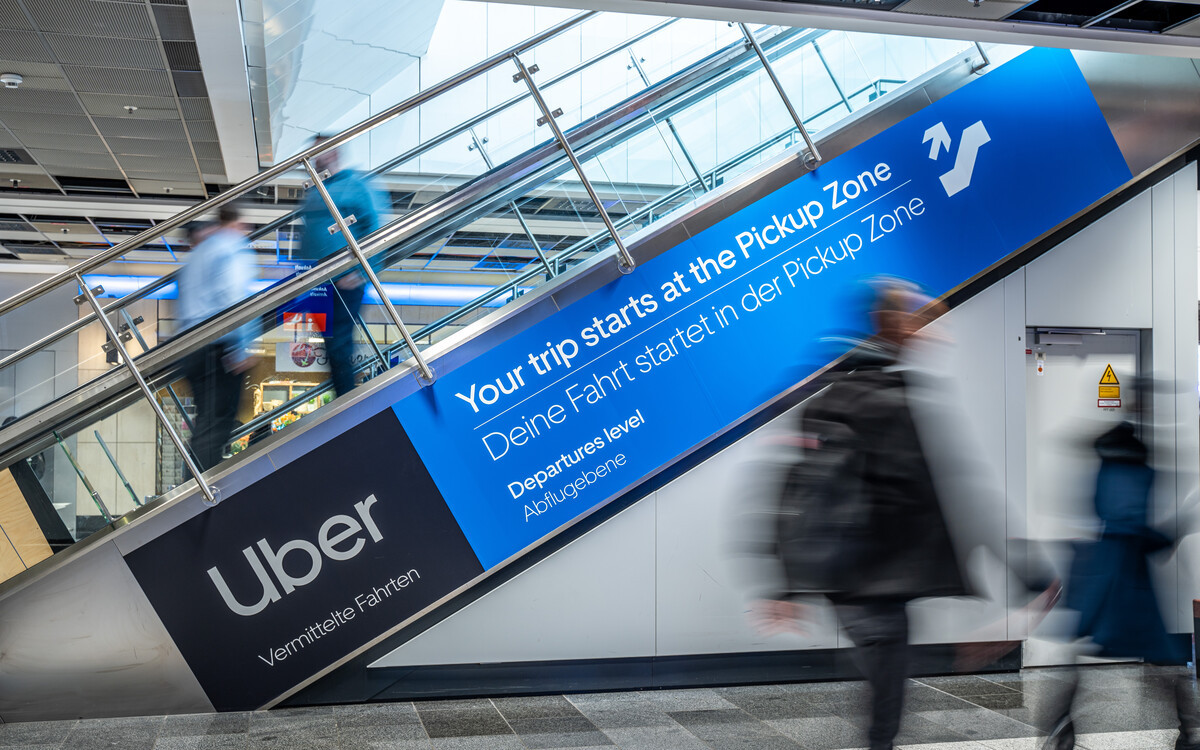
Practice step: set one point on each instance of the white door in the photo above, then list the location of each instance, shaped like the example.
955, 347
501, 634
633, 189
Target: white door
1071, 400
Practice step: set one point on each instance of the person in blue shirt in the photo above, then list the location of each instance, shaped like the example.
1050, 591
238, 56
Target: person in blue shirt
218, 274
356, 196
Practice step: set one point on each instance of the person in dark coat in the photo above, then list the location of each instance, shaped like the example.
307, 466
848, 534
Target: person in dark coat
1110, 583
899, 548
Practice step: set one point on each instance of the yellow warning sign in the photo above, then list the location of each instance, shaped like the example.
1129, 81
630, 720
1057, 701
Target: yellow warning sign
1109, 391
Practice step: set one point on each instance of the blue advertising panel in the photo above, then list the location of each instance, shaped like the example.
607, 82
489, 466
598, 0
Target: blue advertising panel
543, 427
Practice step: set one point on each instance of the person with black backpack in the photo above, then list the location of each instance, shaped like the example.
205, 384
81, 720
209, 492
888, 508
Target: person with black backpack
859, 519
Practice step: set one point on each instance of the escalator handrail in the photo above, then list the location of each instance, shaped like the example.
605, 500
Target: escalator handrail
22, 435
416, 151
158, 230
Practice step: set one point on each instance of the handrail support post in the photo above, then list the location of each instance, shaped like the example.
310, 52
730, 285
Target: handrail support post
624, 260
814, 156
211, 496
426, 372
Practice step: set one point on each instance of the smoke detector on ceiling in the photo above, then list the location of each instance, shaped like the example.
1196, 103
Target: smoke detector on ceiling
11, 80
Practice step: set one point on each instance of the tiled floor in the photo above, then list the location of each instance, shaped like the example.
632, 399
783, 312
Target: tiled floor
1119, 708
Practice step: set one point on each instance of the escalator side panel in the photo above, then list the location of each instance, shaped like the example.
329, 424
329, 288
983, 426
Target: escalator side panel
306, 565
1025, 169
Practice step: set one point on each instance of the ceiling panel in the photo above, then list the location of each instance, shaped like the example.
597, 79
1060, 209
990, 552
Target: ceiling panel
57, 161
153, 164
8, 140
32, 100
149, 147
25, 45
12, 17
92, 172
992, 10
196, 109
47, 123
131, 127
161, 186
106, 53
202, 130
63, 141
174, 23
207, 150
182, 55
212, 166
119, 81
43, 76
189, 84
92, 17
113, 105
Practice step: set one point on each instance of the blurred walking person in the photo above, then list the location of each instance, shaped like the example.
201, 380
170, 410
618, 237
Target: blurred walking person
859, 519
217, 275
354, 195
1111, 587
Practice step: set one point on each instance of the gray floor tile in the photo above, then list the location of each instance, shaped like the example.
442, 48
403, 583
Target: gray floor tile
478, 743
915, 729
672, 737
449, 703
291, 742
32, 747
375, 714
715, 716
363, 743
535, 707
35, 733
127, 734
980, 724
821, 733
594, 738
552, 725
238, 741
686, 700
919, 698
463, 722
311, 723
965, 685
380, 735
750, 736
997, 702
613, 714
194, 725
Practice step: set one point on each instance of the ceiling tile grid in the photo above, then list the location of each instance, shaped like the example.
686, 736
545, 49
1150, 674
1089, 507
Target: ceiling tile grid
992, 10
108, 88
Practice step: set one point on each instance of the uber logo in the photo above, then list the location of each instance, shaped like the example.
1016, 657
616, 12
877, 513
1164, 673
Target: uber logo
332, 537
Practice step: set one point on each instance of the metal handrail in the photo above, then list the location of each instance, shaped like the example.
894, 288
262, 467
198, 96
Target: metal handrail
509, 178
158, 230
415, 152
534, 271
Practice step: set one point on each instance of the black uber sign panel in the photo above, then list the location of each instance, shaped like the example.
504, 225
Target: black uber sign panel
305, 566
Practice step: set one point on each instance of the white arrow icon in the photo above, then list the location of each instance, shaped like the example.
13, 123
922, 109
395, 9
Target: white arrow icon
940, 138
964, 163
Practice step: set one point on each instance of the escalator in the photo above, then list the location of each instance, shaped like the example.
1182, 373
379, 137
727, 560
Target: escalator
596, 383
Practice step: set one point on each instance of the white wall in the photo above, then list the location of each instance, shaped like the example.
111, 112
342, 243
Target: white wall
658, 578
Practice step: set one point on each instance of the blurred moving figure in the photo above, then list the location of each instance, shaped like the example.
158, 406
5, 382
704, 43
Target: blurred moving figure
859, 518
1110, 582
354, 195
218, 274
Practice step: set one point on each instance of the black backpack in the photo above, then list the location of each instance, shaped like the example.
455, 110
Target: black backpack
824, 514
